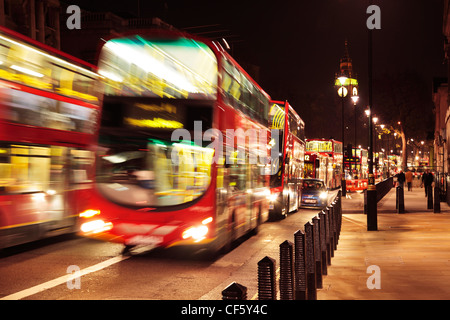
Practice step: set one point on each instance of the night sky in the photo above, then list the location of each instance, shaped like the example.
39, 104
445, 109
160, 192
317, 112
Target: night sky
297, 44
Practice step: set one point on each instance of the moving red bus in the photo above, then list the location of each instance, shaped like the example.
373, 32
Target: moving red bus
329, 170
287, 169
49, 105
172, 166
318, 166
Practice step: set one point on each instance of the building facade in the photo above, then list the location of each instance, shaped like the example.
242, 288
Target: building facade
37, 19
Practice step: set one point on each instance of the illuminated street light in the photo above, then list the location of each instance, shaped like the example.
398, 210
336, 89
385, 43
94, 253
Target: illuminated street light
342, 92
342, 80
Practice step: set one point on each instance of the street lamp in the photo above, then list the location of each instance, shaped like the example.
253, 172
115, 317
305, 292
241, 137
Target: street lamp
342, 92
355, 99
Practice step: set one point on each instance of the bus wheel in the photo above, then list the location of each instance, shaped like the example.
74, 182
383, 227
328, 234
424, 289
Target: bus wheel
231, 236
286, 209
126, 251
258, 223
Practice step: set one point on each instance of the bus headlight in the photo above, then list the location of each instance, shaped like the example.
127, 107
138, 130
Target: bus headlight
96, 226
323, 195
89, 213
197, 233
273, 197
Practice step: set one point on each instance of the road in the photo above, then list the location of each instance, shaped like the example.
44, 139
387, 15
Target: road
46, 270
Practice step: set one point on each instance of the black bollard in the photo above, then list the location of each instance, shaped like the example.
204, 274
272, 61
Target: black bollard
266, 279
437, 200
300, 265
327, 235
287, 270
310, 263
429, 197
234, 291
317, 253
323, 242
333, 227
400, 200
396, 199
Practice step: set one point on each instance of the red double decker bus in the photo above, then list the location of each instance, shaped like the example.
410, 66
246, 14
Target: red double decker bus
323, 160
288, 137
178, 160
49, 105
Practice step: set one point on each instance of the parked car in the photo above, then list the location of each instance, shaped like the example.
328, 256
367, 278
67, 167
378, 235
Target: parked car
314, 193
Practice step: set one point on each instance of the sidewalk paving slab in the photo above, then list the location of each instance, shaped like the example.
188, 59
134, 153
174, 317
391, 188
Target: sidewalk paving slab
412, 251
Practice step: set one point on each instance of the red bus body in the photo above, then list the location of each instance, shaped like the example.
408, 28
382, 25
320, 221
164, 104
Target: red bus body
287, 172
177, 208
49, 105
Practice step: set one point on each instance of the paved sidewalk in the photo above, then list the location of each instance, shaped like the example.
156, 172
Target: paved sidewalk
412, 251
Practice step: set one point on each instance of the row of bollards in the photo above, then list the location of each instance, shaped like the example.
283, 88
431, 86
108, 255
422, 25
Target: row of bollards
303, 263
433, 202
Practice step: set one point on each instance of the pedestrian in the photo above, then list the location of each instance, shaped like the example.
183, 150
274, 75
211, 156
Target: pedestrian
400, 178
409, 179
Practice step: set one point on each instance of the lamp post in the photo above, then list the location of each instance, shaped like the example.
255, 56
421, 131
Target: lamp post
372, 223
355, 99
342, 92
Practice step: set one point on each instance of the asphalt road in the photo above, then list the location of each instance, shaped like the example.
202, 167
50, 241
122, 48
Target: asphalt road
47, 270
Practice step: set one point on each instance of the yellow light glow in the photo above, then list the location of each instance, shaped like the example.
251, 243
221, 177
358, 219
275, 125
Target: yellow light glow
197, 233
89, 213
154, 123
342, 80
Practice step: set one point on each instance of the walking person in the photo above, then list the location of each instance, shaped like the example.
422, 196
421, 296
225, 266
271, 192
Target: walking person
409, 179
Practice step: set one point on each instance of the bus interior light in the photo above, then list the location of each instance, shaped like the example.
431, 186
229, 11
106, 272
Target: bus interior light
27, 71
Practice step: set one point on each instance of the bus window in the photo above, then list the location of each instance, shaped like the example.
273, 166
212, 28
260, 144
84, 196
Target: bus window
128, 176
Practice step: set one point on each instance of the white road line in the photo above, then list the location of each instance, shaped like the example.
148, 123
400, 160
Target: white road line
63, 279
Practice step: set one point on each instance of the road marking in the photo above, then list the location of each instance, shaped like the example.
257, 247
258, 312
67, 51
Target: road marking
63, 279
